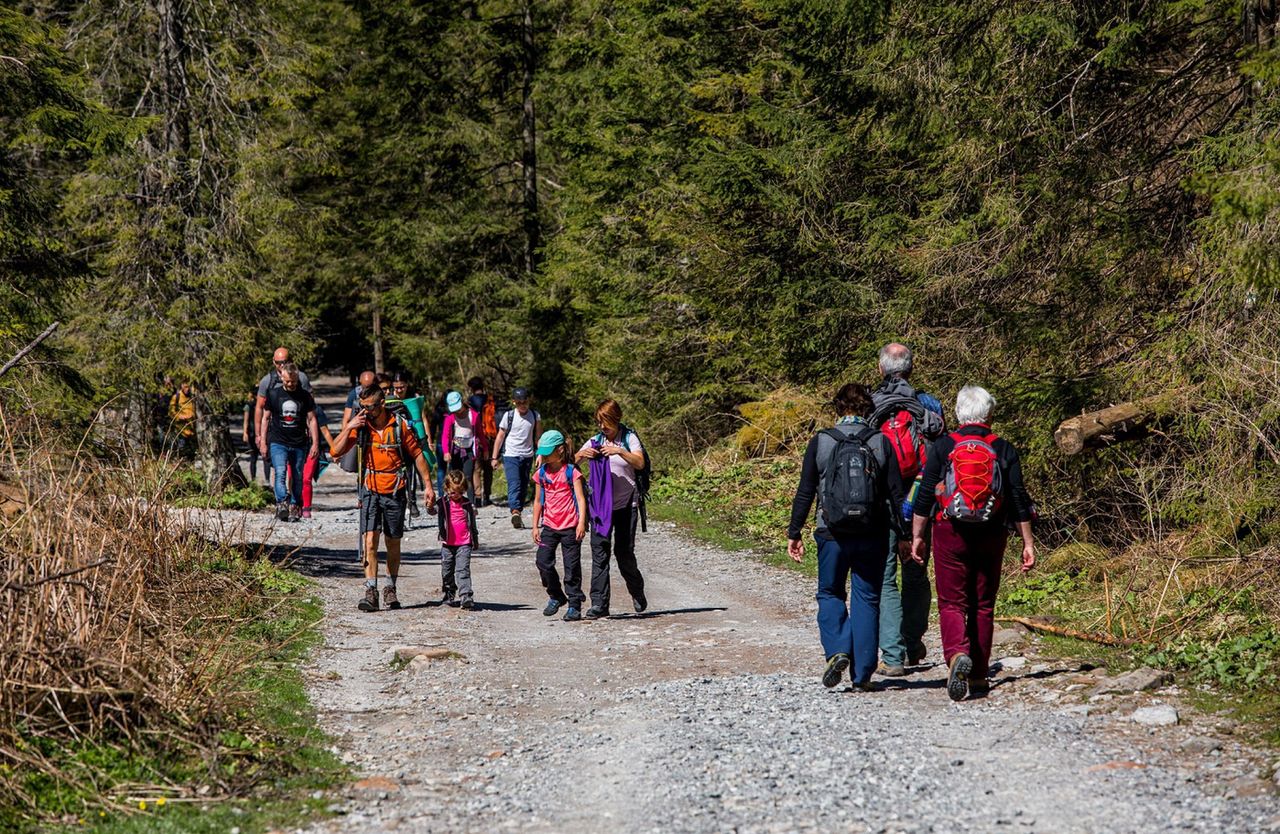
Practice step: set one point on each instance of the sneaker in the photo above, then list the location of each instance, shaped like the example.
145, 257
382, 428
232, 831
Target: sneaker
958, 678
389, 598
516, 521
282, 512
306, 512
370, 601
979, 688
640, 604
835, 670
572, 615
295, 512
891, 670
917, 655
553, 605
594, 613
467, 604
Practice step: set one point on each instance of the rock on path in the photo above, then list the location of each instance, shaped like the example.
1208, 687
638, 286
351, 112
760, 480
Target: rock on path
706, 714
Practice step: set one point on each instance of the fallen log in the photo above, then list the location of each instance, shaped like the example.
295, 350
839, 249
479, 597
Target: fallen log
1063, 631
1118, 422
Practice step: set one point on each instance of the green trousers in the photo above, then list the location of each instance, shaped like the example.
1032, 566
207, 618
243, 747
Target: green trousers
904, 614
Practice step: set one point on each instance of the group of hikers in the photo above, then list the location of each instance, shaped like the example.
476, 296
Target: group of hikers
893, 488
392, 443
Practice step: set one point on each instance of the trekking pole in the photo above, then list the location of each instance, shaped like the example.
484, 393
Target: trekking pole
359, 498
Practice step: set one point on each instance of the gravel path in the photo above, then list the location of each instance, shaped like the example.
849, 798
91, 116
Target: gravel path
706, 713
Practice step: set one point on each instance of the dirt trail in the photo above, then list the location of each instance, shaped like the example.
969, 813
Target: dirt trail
706, 714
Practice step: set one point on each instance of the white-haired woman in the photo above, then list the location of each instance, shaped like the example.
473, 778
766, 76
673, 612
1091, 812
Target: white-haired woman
972, 487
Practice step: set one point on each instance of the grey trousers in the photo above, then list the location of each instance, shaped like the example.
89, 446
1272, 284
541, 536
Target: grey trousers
455, 570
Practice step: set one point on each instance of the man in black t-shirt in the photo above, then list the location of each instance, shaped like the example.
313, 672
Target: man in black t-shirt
290, 434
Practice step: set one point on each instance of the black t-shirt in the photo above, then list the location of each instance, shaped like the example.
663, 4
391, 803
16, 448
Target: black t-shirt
289, 410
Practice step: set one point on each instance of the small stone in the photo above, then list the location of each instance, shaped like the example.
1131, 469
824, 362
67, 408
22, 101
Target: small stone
1139, 680
376, 783
1200, 745
1007, 637
1010, 664
497, 754
1247, 787
404, 654
1160, 715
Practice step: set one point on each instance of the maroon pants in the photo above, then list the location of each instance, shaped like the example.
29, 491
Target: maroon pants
966, 565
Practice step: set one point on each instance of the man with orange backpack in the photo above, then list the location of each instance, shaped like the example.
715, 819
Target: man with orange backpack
484, 406
911, 421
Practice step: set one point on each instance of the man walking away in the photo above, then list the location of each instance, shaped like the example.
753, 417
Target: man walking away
291, 436
517, 429
388, 448
911, 427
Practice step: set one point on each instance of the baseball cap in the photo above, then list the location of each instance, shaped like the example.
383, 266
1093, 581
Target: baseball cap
454, 401
521, 394
549, 441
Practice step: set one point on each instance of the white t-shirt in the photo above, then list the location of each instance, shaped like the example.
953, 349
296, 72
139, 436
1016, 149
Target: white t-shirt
519, 428
624, 474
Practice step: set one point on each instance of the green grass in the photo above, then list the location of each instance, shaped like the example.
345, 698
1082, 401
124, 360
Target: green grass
274, 743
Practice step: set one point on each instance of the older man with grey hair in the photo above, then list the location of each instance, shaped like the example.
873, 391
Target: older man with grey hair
971, 488
911, 420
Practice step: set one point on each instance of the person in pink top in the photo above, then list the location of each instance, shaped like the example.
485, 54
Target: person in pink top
458, 537
559, 518
462, 441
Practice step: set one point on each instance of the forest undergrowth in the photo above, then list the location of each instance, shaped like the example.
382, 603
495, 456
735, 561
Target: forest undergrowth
150, 675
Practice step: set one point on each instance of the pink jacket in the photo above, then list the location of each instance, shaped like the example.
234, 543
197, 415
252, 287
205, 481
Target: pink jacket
479, 443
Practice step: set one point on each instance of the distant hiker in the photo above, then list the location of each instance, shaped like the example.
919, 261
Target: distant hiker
249, 434
459, 537
272, 380
615, 456
972, 487
852, 472
388, 447
435, 430
911, 421
402, 391
483, 405
559, 518
182, 420
461, 440
290, 434
517, 431
366, 379
316, 465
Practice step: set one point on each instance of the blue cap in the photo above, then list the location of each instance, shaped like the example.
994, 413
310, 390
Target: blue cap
454, 401
550, 441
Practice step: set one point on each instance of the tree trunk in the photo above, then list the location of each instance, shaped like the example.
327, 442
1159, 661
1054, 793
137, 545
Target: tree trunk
172, 75
529, 155
1116, 423
379, 366
216, 453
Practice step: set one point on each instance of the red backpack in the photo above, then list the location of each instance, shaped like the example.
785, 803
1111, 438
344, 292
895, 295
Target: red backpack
904, 436
971, 490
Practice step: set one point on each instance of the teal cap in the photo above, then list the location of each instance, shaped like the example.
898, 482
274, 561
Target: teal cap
454, 402
549, 441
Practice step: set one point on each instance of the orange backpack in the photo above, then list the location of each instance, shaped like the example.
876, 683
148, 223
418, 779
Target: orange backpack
488, 419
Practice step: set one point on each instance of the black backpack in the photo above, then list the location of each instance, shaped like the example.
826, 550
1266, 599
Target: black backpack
850, 493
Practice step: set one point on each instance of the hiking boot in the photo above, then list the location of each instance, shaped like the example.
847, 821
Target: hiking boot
295, 512
447, 599
467, 604
306, 512
891, 670
572, 615
553, 605
414, 512
917, 655
835, 670
867, 686
516, 521
979, 688
389, 598
958, 678
640, 604
370, 601
594, 613
282, 512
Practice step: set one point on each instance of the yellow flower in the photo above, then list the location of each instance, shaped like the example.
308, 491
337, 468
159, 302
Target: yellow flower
142, 805
160, 802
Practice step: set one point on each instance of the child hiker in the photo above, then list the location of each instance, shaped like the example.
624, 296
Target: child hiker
559, 518
458, 537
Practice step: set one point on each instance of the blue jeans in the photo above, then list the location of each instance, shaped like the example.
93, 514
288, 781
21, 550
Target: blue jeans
288, 460
853, 629
517, 471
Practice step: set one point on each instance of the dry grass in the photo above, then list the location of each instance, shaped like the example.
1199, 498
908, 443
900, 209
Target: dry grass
118, 629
